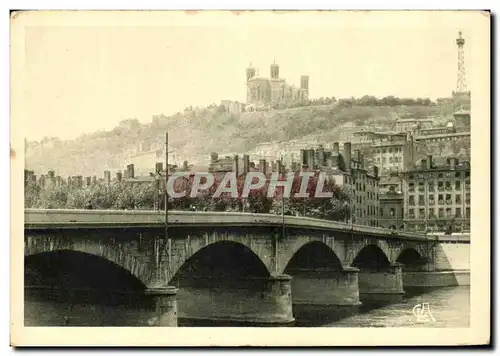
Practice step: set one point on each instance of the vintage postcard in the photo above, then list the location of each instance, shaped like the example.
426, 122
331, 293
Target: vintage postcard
235, 178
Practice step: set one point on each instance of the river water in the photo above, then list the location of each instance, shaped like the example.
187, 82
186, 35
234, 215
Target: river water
449, 307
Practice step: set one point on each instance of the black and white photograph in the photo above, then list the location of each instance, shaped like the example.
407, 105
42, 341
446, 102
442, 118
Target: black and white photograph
277, 170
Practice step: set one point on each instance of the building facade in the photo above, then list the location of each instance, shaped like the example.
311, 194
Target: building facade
394, 155
405, 125
265, 92
437, 196
349, 171
391, 209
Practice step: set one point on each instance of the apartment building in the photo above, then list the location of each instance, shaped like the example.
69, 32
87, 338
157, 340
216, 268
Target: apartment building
437, 196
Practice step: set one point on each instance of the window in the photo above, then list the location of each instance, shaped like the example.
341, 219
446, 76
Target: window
448, 196
431, 186
440, 175
383, 150
431, 212
458, 213
411, 200
384, 160
441, 212
467, 212
411, 212
392, 212
411, 187
457, 174
448, 185
457, 185
421, 213
448, 212
381, 211
421, 200
458, 199
467, 174
467, 198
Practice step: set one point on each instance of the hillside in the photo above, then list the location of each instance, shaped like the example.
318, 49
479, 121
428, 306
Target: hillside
196, 133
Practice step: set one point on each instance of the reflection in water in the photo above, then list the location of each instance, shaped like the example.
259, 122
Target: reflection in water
449, 307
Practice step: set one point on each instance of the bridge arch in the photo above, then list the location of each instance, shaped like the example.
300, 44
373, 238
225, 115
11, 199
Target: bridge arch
224, 261
411, 259
69, 269
371, 257
183, 250
118, 254
313, 255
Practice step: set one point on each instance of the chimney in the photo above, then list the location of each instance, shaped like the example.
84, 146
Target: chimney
246, 164
214, 157
453, 163
50, 174
69, 181
347, 156
42, 181
375, 171
336, 148
304, 157
279, 167
158, 167
185, 166
130, 171
429, 161
107, 176
94, 179
58, 180
423, 164
321, 156
236, 165
88, 181
119, 176
310, 158
80, 181
262, 166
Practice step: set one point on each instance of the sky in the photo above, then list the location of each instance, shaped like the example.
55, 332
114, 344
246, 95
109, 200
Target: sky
86, 73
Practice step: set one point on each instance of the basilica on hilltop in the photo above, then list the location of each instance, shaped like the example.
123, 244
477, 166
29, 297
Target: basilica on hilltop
266, 92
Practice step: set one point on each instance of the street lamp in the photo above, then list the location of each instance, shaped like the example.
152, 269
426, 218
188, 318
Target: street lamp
283, 232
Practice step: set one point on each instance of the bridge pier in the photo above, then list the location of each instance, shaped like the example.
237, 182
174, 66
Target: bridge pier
320, 293
164, 305
381, 286
248, 300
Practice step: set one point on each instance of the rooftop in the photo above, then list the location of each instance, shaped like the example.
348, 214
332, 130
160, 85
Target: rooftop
414, 120
452, 134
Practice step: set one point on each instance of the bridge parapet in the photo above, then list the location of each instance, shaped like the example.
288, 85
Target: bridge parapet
74, 219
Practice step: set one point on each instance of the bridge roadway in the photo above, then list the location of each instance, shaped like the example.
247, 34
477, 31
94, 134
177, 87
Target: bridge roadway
36, 219
317, 262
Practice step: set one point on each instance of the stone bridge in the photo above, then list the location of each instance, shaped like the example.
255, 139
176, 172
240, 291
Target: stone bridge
263, 263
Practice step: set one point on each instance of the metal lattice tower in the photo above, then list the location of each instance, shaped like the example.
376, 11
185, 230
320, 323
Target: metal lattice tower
461, 84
